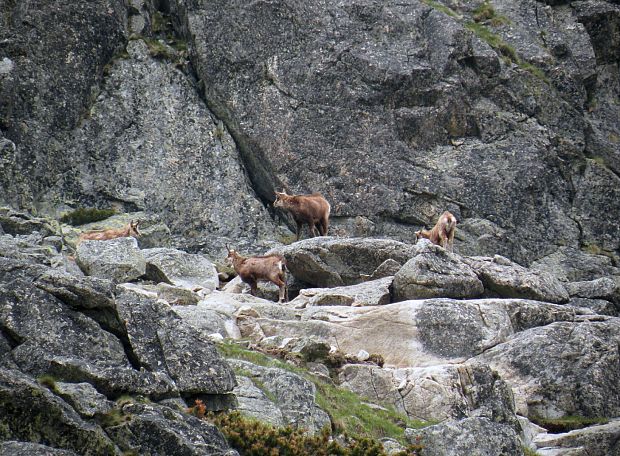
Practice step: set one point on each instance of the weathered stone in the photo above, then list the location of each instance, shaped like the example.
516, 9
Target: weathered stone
28, 248
208, 321
501, 277
156, 429
329, 262
162, 343
175, 267
118, 260
177, 296
254, 402
31, 449
435, 273
572, 265
563, 368
603, 288
115, 381
599, 306
443, 330
293, 395
16, 222
598, 440
386, 269
78, 292
480, 436
371, 293
46, 328
436, 393
29, 412
84, 398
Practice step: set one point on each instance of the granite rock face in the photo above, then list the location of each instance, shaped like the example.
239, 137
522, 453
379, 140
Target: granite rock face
330, 93
70, 346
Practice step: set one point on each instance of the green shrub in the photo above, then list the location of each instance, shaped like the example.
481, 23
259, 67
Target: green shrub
253, 438
84, 215
348, 412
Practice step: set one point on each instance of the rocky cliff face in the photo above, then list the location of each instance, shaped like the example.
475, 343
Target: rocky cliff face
505, 114
189, 114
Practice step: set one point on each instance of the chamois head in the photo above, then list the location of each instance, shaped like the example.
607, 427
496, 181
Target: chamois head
133, 228
281, 199
232, 254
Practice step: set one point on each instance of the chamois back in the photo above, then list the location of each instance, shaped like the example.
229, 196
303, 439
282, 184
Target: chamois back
312, 210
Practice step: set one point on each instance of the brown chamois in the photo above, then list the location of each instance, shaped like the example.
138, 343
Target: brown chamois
312, 210
442, 233
131, 229
252, 269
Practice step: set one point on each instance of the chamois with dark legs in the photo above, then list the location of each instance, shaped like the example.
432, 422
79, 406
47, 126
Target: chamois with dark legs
131, 229
442, 233
271, 268
312, 210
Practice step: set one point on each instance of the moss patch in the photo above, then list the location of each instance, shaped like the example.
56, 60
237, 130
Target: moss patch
84, 215
567, 423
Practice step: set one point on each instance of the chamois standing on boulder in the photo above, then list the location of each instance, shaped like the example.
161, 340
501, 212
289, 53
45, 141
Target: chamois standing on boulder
442, 233
252, 269
312, 210
131, 229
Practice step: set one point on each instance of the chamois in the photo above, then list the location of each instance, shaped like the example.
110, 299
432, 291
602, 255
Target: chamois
310, 209
442, 233
131, 229
252, 269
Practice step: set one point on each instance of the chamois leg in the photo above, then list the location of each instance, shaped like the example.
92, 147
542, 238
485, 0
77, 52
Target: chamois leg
313, 229
283, 295
298, 230
323, 225
253, 288
451, 240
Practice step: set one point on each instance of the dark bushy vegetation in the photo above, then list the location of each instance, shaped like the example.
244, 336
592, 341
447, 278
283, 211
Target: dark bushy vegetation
567, 423
84, 215
253, 438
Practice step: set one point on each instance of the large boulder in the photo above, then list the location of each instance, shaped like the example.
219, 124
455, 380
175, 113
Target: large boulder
31, 413
435, 273
162, 343
371, 293
329, 262
156, 429
410, 333
436, 393
607, 288
572, 265
563, 368
479, 436
118, 260
14, 448
175, 267
504, 278
293, 395
45, 328
598, 440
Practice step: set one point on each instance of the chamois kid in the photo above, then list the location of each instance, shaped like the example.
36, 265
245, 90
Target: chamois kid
442, 233
268, 268
131, 229
312, 210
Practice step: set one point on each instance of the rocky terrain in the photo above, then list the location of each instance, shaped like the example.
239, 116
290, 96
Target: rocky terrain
104, 350
188, 115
